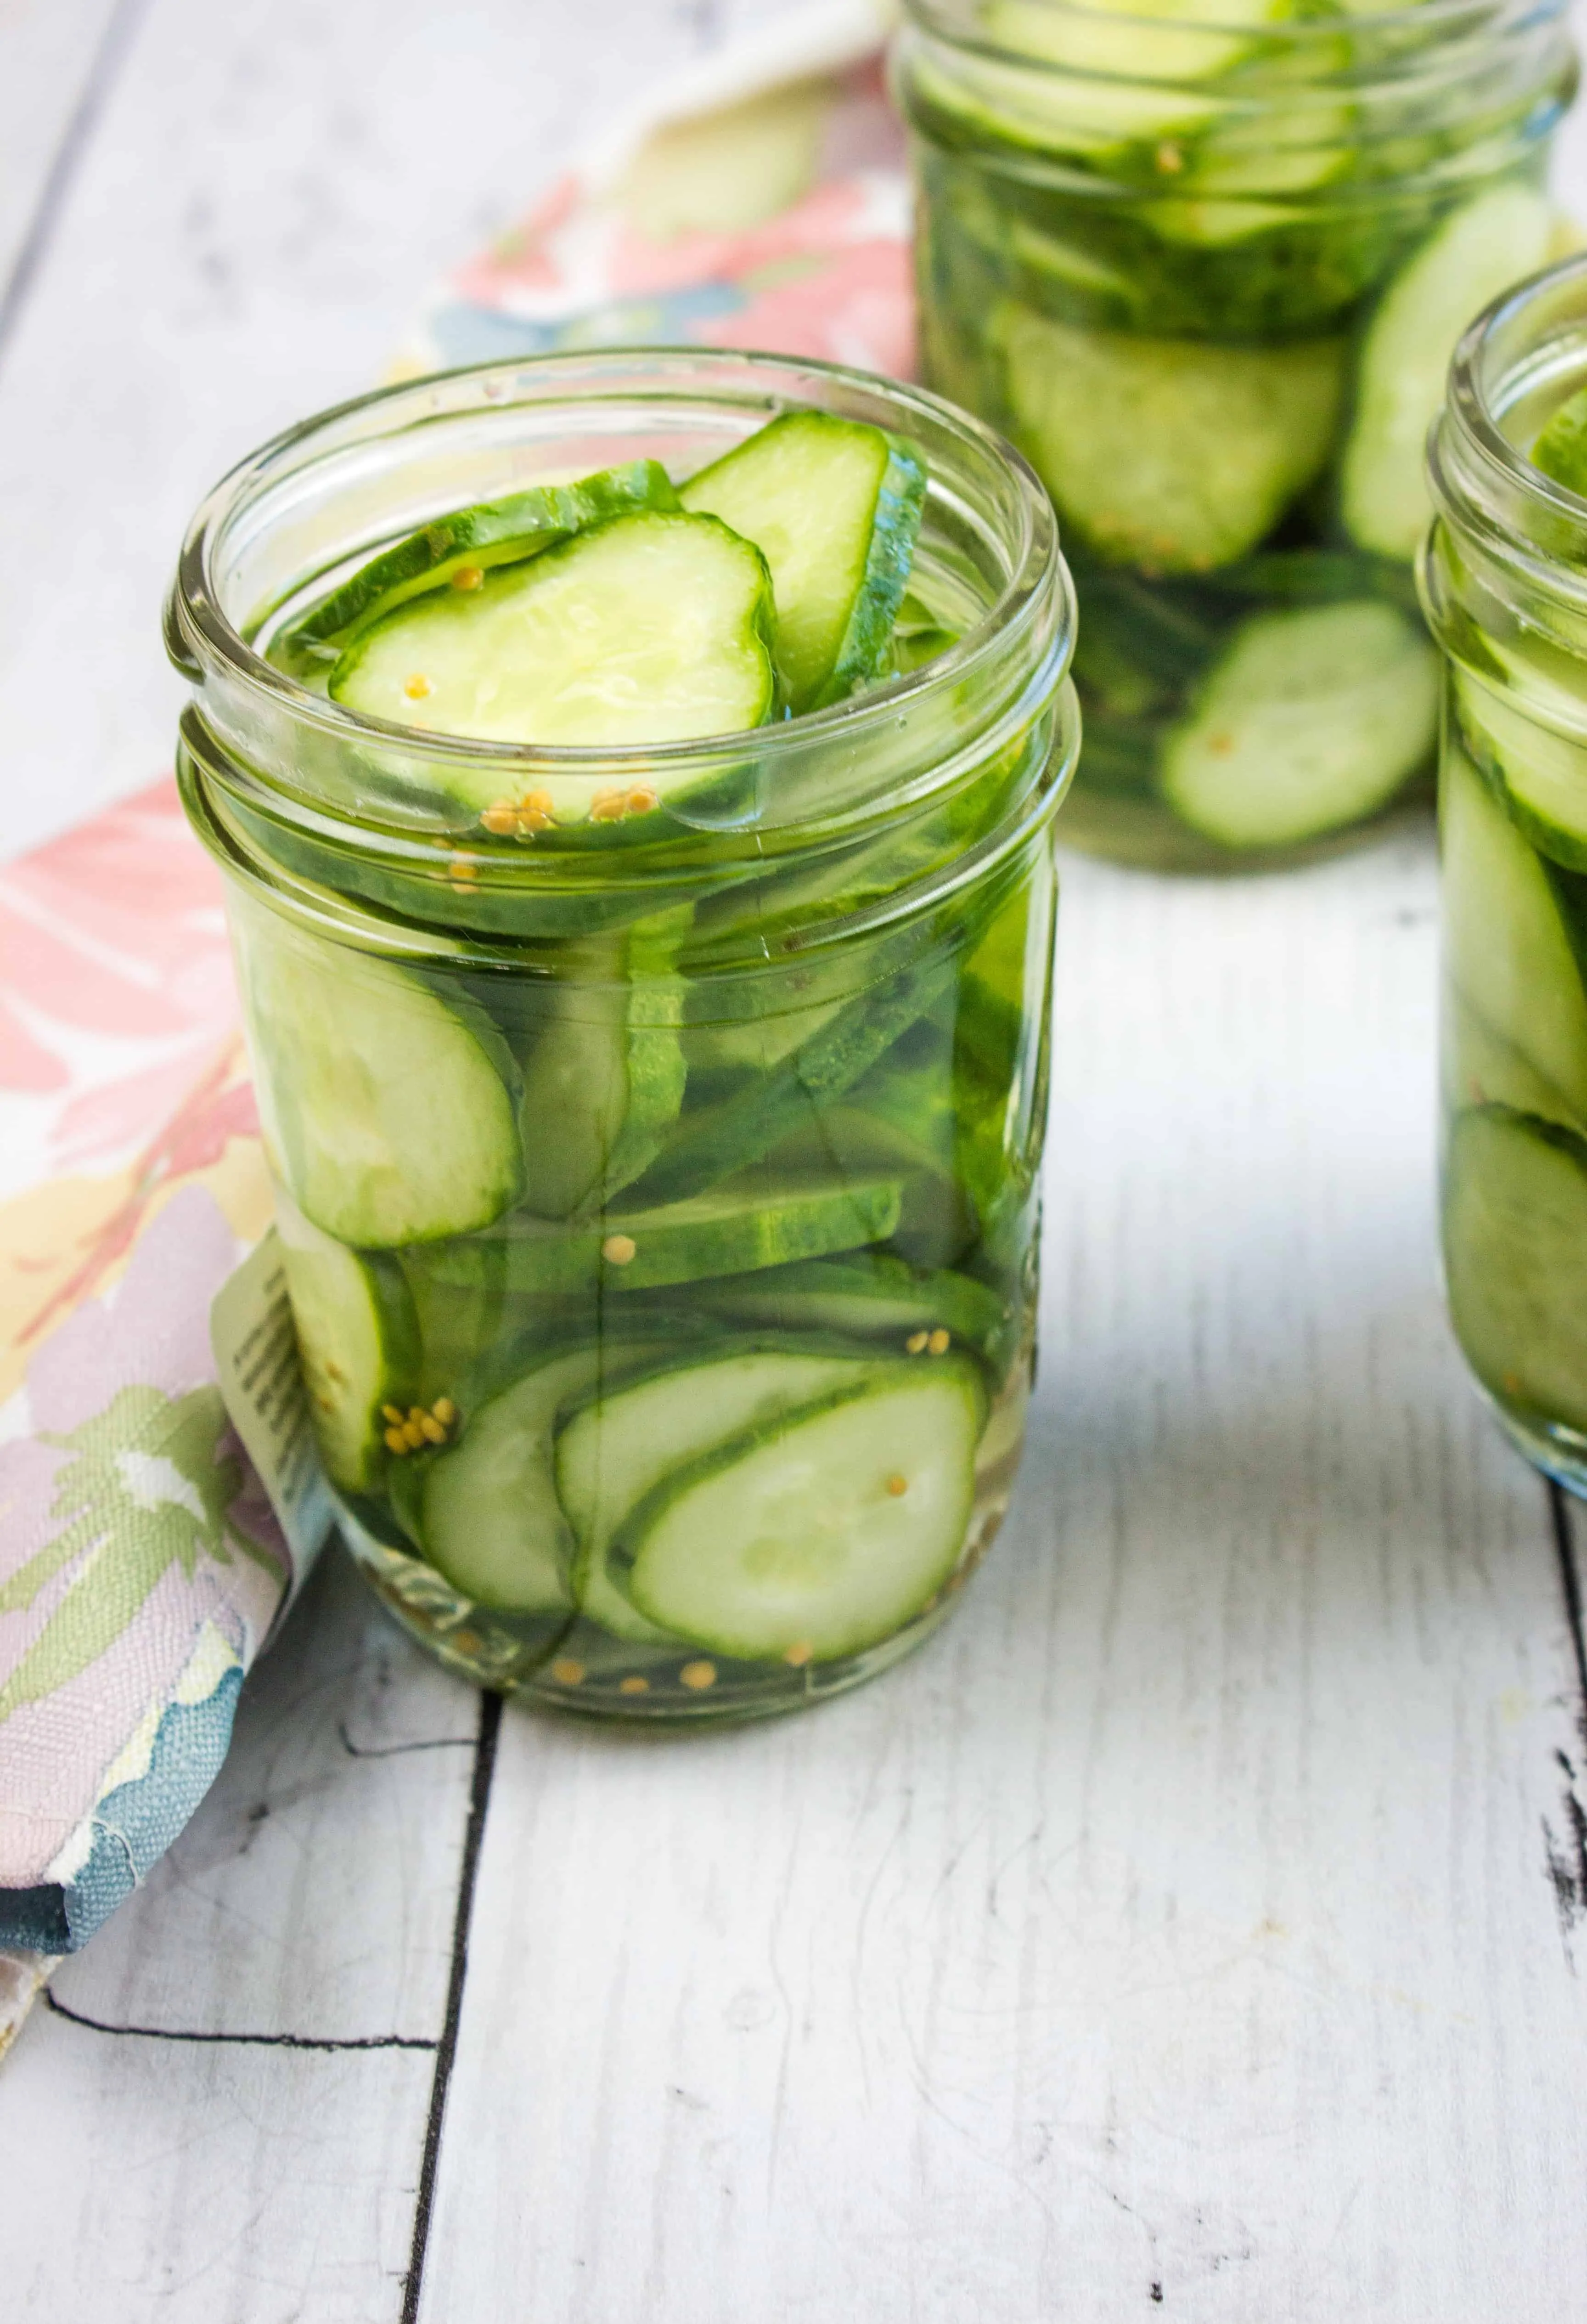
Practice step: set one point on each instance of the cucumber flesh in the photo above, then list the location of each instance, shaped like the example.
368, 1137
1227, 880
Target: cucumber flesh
474, 541
652, 628
820, 1533
761, 1219
489, 1517
1312, 719
358, 1340
1506, 948
1514, 1247
834, 508
390, 1118
1473, 254
1543, 774
1560, 450
1172, 454
620, 1447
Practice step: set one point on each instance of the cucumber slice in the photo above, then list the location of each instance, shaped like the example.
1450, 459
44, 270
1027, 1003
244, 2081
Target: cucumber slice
605, 1079
1542, 774
1473, 254
454, 548
834, 508
1514, 1254
652, 628
1506, 948
1312, 719
392, 1114
869, 1296
358, 1339
796, 1537
1560, 450
719, 1139
1174, 455
1477, 1067
621, 1446
763, 1219
905, 1132
489, 1517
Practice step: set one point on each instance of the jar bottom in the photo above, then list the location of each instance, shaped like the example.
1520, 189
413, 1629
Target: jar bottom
1560, 1453
566, 1663
1143, 836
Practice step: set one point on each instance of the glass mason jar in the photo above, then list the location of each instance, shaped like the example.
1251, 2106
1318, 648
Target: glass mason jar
656, 1135
1206, 268
1504, 580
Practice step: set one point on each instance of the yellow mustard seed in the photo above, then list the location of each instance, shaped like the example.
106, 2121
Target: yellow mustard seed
468, 577
539, 802
467, 1642
445, 1410
940, 1342
567, 1672
916, 1342
698, 1675
800, 1655
642, 798
501, 817
633, 1685
395, 1441
390, 1412
413, 1434
618, 1249
898, 1486
417, 687
434, 1434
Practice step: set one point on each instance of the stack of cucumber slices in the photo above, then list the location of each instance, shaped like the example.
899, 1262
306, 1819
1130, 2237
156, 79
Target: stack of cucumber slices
1514, 1012
669, 1333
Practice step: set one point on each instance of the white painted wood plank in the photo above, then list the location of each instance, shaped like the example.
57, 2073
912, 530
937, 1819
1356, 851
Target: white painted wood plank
162, 2182
1182, 1918
272, 187
312, 1894
47, 54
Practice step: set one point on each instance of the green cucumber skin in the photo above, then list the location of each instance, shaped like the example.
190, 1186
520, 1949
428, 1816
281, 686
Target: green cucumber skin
900, 502
492, 532
744, 1130
355, 1457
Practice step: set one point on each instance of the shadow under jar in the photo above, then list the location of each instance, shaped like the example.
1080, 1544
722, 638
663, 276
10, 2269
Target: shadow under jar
1504, 580
1206, 267
664, 1173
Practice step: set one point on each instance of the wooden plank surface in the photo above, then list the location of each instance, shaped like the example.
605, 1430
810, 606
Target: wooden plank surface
1182, 1918
1189, 1928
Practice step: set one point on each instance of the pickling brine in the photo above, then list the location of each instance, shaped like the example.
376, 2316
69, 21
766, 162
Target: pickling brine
637, 814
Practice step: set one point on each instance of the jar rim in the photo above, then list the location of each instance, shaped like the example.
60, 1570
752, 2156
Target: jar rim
1388, 26
204, 641
1483, 485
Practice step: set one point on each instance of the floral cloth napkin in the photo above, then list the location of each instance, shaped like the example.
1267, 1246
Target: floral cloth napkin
759, 200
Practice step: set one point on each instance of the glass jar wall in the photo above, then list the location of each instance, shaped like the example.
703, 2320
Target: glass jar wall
657, 1145
1505, 585
1208, 268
